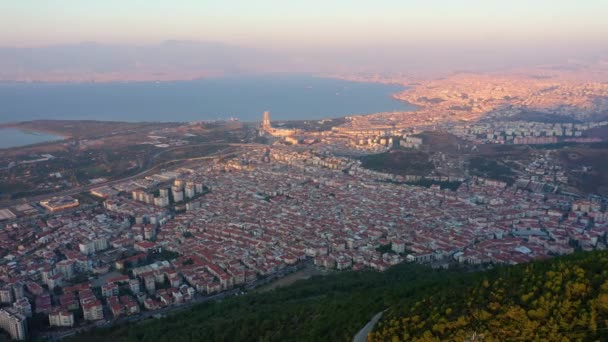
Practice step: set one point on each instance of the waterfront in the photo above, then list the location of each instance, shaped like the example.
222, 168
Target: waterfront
287, 97
11, 137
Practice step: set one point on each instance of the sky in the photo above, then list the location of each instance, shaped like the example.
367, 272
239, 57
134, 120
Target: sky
495, 31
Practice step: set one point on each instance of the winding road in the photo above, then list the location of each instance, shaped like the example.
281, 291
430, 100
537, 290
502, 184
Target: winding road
362, 334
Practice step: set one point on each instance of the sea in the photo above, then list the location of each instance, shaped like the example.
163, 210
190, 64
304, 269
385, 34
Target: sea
10, 137
287, 97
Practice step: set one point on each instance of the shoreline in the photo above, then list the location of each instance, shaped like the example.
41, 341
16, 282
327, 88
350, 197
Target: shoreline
53, 136
18, 126
404, 86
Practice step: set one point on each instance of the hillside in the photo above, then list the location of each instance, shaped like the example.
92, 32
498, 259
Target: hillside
587, 167
562, 297
559, 300
322, 308
399, 162
441, 141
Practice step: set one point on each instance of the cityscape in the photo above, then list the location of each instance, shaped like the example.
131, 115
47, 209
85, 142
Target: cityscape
226, 223
476, 210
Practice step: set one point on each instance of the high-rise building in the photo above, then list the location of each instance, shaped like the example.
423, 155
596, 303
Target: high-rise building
161, 201
92, 311
190, 191
18, 290
266, 120
14, 323
61, 318
178, 193
164, 192
66, 268
266, 128
101, 243
6, 294
134, 286
23, 306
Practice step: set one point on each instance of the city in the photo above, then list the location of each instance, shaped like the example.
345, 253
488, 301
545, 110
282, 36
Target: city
418, 171
223, 223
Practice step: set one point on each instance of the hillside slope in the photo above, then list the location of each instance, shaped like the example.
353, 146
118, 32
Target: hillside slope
560, 299
557, 300
322, 308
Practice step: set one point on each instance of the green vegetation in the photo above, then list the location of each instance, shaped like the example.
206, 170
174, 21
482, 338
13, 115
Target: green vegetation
441, 141
322, 308
595, 161
385, 249
399, 162
312, 125
558, 299
433, 100
188, 152
536, 116
162, 255
489, 168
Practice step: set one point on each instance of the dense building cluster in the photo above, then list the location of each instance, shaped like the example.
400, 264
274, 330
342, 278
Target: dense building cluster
522, 132
207, 227
233, 222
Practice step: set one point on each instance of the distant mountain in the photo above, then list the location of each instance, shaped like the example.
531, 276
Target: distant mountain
170, 60
185, 60
561, 299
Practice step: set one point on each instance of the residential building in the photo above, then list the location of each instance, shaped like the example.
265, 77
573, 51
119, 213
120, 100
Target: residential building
14, 323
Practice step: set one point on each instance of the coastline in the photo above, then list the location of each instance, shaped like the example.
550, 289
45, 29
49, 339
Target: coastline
18, 139
404, 85
28, 129
60, 127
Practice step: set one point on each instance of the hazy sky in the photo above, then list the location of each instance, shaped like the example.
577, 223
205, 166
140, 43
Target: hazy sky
311, 32
299, 22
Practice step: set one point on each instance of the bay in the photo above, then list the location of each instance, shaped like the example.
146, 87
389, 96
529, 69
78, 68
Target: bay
11, 137
287, 97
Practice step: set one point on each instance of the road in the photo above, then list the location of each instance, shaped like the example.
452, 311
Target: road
362, 334
143, 173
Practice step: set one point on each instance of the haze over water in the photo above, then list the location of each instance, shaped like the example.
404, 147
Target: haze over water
292, 97
10, 137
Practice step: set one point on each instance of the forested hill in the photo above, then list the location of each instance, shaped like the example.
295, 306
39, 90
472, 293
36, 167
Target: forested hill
560, 299
322, 308
564, 299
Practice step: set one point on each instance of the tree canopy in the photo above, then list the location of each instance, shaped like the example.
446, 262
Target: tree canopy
565, 298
